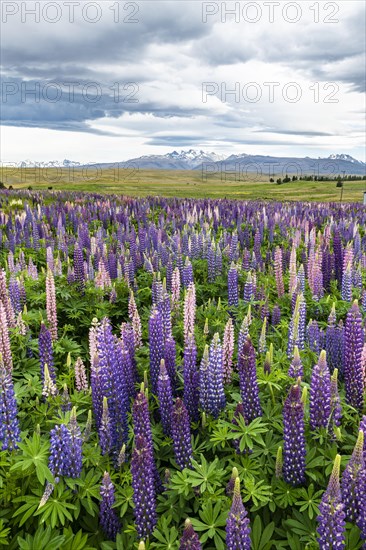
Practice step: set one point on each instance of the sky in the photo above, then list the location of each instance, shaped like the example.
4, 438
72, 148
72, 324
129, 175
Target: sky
109, 81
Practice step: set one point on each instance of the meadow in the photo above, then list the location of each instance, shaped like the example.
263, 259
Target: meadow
182, 373
169, 183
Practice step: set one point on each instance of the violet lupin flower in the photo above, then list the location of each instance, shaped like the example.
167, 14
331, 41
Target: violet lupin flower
144, 496
331, 519
248, 288
189, 540
228, 351
237, 525
105, 436
165, 397
216, 394
191, 378
170, 360
203, 381
156, 344
76, 444
164, 308
181, 435
59, 461
346, 292
232, 286
79, 268
108, 518
175, 288
353, 373
46, 352
352, 484
276, 316
9, 426
294, 439
296, 369
320, 394
51, 305
249, 389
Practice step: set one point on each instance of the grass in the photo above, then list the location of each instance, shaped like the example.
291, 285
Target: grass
176, 183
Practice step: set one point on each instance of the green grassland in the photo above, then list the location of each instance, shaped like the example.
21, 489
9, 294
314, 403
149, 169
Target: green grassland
177, 183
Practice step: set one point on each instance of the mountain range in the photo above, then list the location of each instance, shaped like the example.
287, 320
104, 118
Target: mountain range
335, 164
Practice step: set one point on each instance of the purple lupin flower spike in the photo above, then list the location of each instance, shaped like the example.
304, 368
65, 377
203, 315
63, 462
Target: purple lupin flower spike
278, 272
75, 446
81, 381
276, 316
181, 435
60, 460
170, 359
331, 519
232, 286
165, 397
353, 373
108, 518
144, 496
363, 428
237, 525
296, 369
189, 540
352, 484
294, 439
216, 395
249, 389
9, 426
5, 349
156, 343
320, 394
79, 268
190, 377
46, 352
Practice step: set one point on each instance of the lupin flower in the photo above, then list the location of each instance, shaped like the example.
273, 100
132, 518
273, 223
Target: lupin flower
9, 426
105, 436
79, 268
189, 311
107, 514
279, 463
170, 360
165, 397
164, 307
181, 435
232, 286
156, 344
331, 519
216, 400
49, 386
81, 381
191, 378
353, 373
187, 274
144, 496
346, 292
189, 540
278, 272
294, 439
175, 288
4, 339
231, 483
249, 389
51, 305
276, 316
228, 351
76, 443
320, 394
46, 352
237, 525
262, 338
60, 444
296, 369
352, 484
248, 288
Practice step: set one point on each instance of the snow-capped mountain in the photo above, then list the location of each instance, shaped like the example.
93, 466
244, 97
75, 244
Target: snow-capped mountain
49, 164
182, 160
343, 156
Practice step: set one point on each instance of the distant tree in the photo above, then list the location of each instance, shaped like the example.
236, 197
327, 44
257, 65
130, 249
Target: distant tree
50, 188
271, 180
10, 187
2, 186
30, 188
279, 181
286, 179
339, 183
294, 178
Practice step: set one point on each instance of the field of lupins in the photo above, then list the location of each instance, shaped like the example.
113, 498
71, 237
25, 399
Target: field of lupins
181, 374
